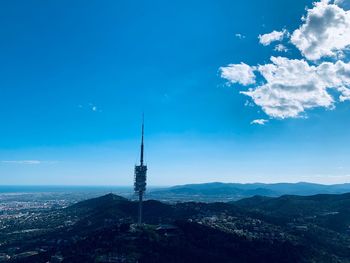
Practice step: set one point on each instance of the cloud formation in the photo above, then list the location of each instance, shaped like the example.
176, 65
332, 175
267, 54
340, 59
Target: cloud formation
238, 73
267, 39
259, 122
289, 87
293, 86
90, 107
240, 36
324, 33
281, 48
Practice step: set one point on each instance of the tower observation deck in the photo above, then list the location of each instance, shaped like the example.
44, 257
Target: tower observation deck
140, 177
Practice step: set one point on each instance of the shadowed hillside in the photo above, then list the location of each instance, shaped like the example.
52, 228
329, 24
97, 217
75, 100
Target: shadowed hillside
257, 229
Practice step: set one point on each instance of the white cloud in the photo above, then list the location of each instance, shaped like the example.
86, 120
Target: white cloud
259, 121
281, 48
247, 103
89, 107
238, 73
240, 36
345, 94
94, 108
293, 86
267, 39
22, 162
325, 31
289, 87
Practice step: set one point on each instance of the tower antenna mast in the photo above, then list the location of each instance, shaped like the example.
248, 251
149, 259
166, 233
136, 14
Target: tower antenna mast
142, 132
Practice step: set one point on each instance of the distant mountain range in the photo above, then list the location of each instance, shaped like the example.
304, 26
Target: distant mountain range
206, 192
235, 191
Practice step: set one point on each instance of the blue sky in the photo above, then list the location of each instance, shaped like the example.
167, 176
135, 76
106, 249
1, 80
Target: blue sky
75, 78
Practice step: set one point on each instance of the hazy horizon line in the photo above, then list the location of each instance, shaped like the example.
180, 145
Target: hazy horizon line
156, 186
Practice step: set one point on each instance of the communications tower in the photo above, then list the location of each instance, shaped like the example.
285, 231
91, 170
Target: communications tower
140, 177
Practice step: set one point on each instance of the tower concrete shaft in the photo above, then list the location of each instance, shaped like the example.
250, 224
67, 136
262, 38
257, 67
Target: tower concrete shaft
139, 221
140, 177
